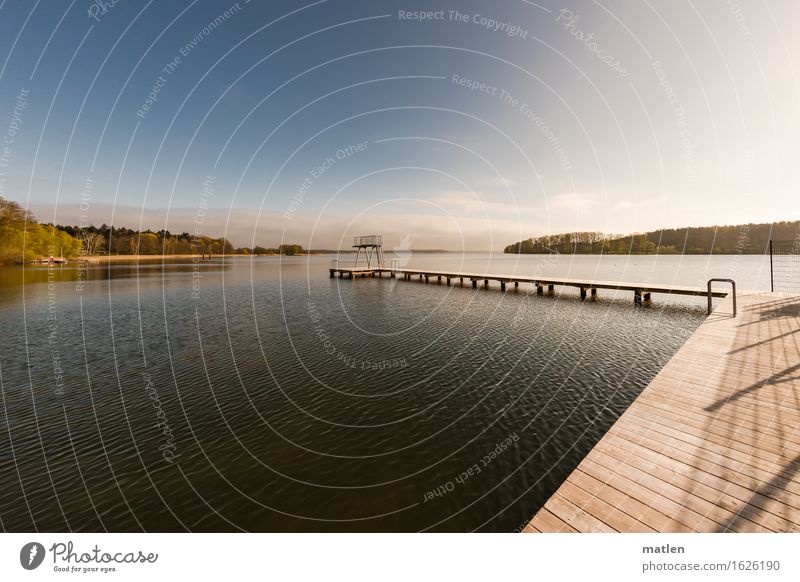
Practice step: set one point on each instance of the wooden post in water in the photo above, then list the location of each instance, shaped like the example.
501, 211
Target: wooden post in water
474, 283
641, 297
502, 285
486, 283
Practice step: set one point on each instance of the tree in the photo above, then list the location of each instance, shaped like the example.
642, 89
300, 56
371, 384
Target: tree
93, 242
56, 243
14, 221
148, 244
23, 239
290, 249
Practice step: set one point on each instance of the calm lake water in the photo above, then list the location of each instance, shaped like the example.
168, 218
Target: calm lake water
262, 395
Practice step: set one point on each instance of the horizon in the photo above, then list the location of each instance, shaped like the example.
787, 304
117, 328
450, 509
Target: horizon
479, 126
402, 248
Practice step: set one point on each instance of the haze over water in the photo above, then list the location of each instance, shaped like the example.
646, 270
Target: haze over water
263, 395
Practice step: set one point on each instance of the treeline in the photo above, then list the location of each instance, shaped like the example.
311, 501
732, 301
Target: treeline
737, 239
22, 239
114, 240
111, 240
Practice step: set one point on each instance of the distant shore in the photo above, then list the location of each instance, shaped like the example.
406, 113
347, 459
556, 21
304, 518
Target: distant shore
129, 258
112, 258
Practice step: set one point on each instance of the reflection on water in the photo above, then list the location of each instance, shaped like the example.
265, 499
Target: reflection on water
262, 395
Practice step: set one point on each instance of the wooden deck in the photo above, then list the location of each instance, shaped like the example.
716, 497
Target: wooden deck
711, 445
588, 287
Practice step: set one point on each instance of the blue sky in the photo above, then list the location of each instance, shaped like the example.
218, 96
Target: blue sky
484, 123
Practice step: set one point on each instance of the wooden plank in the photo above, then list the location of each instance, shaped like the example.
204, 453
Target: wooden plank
547, 522
681, 520
688, 405
601, 507
672, 487
719, 456
653, 490
575, 516
773, 446
711, 484
728, 495
613, 487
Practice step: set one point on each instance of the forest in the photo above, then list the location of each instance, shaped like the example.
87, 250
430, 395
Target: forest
751, 239
23, 239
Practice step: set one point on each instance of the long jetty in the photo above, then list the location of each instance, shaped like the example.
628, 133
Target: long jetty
712, 444
588, 287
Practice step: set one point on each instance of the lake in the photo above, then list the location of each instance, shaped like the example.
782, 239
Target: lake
262, 395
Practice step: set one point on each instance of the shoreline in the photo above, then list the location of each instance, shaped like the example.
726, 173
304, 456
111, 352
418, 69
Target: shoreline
113, 258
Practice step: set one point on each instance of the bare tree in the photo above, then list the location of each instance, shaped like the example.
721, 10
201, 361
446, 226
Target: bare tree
92, 242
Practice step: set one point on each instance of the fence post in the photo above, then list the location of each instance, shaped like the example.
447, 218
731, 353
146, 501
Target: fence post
771, 274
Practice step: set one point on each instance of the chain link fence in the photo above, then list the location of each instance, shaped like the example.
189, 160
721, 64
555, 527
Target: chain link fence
784, 263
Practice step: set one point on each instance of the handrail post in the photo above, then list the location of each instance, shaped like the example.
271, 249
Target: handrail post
733, 287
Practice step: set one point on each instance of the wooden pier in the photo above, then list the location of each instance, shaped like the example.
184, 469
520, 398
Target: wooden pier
588, 288
711, 445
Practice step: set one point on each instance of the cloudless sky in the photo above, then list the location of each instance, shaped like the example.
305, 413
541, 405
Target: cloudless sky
615, 116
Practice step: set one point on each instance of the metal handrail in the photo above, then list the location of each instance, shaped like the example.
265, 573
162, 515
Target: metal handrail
733, 285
